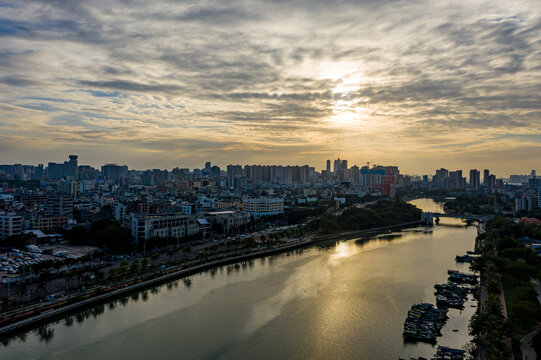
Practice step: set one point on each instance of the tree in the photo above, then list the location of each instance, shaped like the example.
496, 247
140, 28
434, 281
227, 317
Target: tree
57, 265
525, 311
135, 267
23, 288
124, 269
154, 257
106, 233
68, 275
79, 273
113, 273
520, 270
43, 280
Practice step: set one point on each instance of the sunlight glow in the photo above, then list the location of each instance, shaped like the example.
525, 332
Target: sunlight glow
346, 109
344, 249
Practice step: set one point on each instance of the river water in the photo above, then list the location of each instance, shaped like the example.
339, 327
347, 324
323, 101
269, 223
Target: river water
344, 299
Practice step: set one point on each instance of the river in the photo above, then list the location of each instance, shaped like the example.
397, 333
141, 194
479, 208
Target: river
343, 299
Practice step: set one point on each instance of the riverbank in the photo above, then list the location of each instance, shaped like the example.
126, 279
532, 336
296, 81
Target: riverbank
510, 307
31, 317
350, 234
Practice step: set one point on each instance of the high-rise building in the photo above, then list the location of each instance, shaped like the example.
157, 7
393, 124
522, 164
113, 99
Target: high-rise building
534, 183
57, 171
355, 174
539, 195
518, 179
456, 181
328, 166
87, 172
214, 171
160, 176
277, 174
72, 166
486, 178
147, 178
206, 169
474, 179
440, 179
114, 171
523, 203
337, 165
234, 170
22, 172
491, 181
181, 174
37, 172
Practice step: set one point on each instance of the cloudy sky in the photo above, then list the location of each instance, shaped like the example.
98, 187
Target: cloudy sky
421, 84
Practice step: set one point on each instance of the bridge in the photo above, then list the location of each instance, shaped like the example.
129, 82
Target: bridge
428, 217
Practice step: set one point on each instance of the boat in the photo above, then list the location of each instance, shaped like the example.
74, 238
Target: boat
424, 322
464, 258
447, 353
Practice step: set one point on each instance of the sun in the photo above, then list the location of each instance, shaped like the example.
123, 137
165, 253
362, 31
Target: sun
343, 117
346, 108
347, 111
347, 77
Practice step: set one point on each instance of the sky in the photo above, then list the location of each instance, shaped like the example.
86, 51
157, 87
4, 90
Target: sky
421, 84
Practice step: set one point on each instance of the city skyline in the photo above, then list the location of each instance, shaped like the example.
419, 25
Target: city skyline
223, 167
416, 84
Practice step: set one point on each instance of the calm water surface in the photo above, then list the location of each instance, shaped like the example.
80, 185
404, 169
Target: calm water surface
340, 300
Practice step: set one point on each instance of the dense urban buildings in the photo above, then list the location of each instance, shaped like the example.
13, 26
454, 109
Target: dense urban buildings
184, 203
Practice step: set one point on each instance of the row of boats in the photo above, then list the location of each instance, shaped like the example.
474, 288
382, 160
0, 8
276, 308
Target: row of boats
468, 258
445, 353
454, 295
457, 277
451, 295
425, 321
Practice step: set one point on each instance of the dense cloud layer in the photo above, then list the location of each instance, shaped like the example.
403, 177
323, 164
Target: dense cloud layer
418, 83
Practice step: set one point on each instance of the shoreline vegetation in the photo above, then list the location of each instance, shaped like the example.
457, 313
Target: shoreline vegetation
381, 213
355, 221
509, 306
